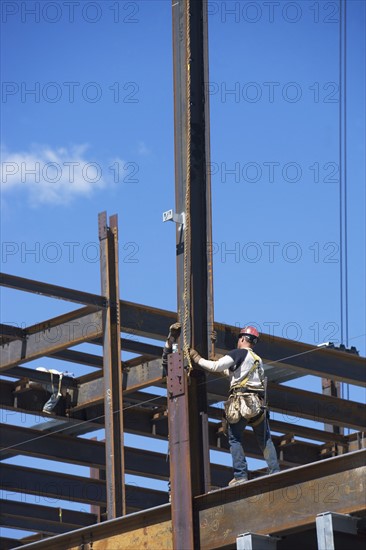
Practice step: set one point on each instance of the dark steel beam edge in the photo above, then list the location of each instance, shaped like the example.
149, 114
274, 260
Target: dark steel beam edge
52, 291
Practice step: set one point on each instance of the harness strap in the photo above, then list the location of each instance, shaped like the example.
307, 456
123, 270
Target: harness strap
253, 367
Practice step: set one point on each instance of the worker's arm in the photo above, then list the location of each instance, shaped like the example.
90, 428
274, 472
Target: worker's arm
221, 365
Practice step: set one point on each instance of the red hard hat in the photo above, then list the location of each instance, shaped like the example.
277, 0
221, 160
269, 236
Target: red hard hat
250, 331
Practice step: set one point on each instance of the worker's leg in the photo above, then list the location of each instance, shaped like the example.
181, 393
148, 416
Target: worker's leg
235, 433
265, 442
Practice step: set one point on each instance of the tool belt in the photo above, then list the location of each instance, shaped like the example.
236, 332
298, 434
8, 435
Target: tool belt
243, 403
239, 389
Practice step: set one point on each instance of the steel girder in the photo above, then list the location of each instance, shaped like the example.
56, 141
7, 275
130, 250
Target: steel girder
149, 322
55, 485
51, 336
46, 519
278, 505
285, 502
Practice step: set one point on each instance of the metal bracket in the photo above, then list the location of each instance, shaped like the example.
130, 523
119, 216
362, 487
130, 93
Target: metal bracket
171, 216
253, 541
176, 375
327, 523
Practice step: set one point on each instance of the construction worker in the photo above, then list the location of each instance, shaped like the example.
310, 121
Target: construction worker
246, 401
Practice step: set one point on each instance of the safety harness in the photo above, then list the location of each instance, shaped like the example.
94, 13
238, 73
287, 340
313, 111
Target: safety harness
256, 363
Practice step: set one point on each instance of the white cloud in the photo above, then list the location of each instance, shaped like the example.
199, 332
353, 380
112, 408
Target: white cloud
142, 149
54, 176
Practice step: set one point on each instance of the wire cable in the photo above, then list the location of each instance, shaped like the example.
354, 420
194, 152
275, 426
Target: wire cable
343, 207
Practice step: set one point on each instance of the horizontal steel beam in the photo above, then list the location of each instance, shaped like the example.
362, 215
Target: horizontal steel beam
53, 446
85, 452
56, 334
6, 543
46, 519
73, 488
317, 407
134, 346
39, 376
11, 332
53, 291
282, 399
140, 420
285, 502
147, 529
283, 358
79, 357
289, 357
276, 425
49, 484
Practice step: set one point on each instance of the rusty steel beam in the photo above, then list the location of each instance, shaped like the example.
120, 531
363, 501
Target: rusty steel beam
282, 399
52, 291
11, 332
51, 336
134, 346
287, 502
152, 322
283, 503
42, 377
91, 453
47, 519
56, 485
317, 407
312, 405
42, 483
79, 357
147, 529
7, 543
303, 359
276, 425
53, 446
112, 371
141, 422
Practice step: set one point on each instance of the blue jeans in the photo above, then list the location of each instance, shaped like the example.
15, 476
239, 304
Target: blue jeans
263, 435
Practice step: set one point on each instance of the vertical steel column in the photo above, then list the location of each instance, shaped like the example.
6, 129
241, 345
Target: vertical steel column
200, 247
179, 455
332, 388
112, 371
192, 161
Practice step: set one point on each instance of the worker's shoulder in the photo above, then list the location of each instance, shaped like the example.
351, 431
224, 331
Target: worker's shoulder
238, 354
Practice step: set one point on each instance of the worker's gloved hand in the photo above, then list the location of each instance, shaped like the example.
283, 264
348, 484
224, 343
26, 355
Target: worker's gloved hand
174, 331
194, 355
213, 336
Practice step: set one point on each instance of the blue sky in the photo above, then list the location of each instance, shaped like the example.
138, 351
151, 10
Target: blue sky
87, 126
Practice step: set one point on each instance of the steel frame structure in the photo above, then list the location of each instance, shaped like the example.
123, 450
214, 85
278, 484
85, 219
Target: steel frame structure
323, 471
318, 496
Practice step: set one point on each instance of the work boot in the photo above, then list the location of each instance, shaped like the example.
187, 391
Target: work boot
237, 481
